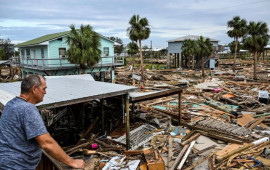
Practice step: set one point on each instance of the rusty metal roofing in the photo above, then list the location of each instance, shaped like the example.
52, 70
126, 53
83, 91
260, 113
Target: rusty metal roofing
64, 90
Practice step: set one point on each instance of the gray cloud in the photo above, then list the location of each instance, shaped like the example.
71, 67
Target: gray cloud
21, 20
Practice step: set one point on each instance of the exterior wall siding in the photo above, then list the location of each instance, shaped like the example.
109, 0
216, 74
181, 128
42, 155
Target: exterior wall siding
35, 53
54, 46
174, 47
106, 43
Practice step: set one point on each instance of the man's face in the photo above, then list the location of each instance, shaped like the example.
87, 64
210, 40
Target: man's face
40, 91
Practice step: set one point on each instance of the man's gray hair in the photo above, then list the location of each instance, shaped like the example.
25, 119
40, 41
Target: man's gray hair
29, 81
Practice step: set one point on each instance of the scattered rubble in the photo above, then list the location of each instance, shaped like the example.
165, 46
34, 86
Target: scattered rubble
225, 123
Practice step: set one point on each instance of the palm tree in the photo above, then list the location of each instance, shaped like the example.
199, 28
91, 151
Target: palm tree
139, 30
132, 50
232, 46
84, 46
188, 51
204, 50
238, 30
255, 40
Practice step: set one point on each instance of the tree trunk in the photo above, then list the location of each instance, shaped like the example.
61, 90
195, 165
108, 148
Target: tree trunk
235, 50
203, 66
188, 62
133, 63
198, 63
82, 69
255, 62
193, 62
140, 43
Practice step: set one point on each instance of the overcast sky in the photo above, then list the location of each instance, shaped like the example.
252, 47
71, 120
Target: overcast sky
22, 20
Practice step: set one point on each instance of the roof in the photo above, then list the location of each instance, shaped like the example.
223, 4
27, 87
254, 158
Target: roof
191, 37
4, 62
67, 90
49, 37
43, 39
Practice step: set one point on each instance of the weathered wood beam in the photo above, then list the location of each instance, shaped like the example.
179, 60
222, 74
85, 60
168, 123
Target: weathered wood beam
157, 95
127, 123
102, 102
179, 107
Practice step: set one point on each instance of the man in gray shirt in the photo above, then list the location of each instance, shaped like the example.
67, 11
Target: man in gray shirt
23, 133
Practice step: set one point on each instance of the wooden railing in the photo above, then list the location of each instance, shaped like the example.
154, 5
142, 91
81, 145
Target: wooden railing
64, 63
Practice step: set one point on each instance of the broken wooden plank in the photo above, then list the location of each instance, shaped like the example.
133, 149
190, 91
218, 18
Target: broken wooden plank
186, 155
191, 139
199, 162
154, 160
258, 121
179, 157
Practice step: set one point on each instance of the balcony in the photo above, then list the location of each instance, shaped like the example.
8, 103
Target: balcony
63, 63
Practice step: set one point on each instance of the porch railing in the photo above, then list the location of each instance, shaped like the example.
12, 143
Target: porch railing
64, 63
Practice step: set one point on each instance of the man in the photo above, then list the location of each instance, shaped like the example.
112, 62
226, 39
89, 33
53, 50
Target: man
23, 133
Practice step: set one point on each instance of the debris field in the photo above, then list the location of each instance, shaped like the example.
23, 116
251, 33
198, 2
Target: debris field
225, 123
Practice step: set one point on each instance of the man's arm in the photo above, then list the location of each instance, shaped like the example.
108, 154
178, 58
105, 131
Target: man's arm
47, 143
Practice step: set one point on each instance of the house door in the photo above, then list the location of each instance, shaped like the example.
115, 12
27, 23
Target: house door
35, 61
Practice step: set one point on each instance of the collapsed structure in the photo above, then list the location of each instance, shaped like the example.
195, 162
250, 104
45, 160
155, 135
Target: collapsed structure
177, 121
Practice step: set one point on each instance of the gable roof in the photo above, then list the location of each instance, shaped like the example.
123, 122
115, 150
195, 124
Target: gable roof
43, 39
50, 37
191, 37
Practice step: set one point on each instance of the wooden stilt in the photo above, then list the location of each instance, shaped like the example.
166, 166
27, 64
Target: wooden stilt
102, 116
127, 123
180, 107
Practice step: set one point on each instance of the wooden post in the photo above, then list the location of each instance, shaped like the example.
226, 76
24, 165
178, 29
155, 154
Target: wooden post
102, 76
179, 107
133, 108
43, 63
127, 123
112, 75
102, 116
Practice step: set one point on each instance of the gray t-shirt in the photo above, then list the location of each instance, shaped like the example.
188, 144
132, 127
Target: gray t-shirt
20, 123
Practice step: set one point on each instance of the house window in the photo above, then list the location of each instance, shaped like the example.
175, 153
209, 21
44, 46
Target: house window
28, 53
106, 51
62, 52
23, 55
42, 52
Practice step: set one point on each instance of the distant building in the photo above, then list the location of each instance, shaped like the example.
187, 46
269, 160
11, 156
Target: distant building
10, 47
47, 56
175, 45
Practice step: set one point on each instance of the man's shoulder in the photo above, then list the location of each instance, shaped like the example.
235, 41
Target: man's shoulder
18, 103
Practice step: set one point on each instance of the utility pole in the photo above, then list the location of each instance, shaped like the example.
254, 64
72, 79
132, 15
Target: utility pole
151, 56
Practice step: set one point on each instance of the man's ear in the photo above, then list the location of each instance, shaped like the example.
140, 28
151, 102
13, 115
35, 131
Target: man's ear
33, 89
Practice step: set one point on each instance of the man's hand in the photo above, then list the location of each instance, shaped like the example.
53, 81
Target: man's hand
77, 163
49, 145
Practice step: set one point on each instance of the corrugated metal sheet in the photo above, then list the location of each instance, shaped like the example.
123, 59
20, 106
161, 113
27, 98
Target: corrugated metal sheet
4, 62
64, 88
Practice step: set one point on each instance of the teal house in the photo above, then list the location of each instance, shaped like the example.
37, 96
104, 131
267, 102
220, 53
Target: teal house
47, 56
